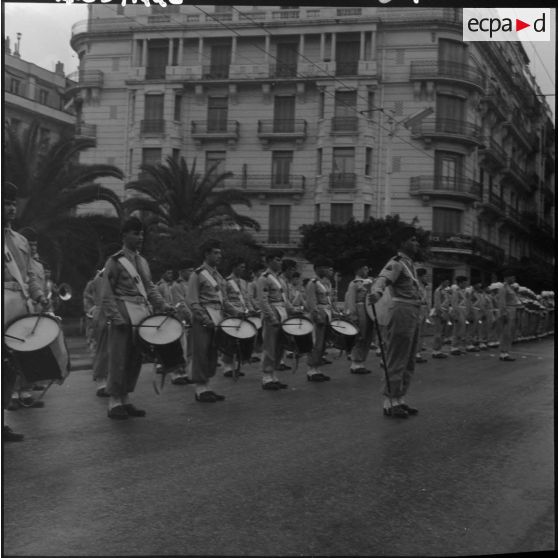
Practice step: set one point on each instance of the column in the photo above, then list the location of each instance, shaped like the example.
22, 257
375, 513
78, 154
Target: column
200, 51
144, 53
180, 51
233, 49
372, 45
322, 46
333, 35
301, 46
171, 49
362, 44
133, 54
267, 47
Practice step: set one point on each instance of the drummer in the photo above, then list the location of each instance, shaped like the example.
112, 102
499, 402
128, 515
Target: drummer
355, 306
127, 292
206, 295
100, 336
21, 288
275, 307
237, 305
319, 303
253, 297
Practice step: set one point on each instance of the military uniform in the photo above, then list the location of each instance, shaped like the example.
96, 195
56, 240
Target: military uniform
179, 296
459, 317
508, 302
403, 325
355, 306
439, 316
319, 304
206, 296
475, 317
100, 335
275, 308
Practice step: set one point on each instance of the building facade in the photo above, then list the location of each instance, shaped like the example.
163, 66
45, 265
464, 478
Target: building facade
309, 109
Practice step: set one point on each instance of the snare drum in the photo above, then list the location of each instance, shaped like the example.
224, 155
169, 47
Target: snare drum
39, 347
159, 336
257, 321
235, 337
342, 334
297, 334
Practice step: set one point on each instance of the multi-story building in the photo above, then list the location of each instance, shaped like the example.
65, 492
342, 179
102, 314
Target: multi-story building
308, 108
34, 93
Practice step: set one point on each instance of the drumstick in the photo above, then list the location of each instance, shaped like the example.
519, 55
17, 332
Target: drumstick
162, 322
36, 324
13, 337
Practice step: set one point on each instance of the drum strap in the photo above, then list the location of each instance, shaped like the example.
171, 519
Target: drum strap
321, 286
16, 274
132, 271
237, 290
211, 280
279, 286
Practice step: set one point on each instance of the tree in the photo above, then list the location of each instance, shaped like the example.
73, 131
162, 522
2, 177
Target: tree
52, 184
178, 197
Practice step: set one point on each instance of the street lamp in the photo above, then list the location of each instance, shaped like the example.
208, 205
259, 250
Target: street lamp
407, 122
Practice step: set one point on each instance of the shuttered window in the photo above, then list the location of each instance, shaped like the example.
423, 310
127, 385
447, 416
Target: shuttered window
281, 162
446, 220
341, 213
217, 114
279, 224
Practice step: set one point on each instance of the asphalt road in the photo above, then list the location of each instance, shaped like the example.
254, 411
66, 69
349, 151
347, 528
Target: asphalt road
312, 470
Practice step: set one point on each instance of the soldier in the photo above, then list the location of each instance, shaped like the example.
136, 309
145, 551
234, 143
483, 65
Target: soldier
288, 269
253, 297
88, 309
508, 302
493, 314
459, 315
237, 305
165, 284
440, 316
403, 323
320, 306
275, 308
355, 307
426, 293
206, 297
475, 315
21, 290
127, 292
100, 336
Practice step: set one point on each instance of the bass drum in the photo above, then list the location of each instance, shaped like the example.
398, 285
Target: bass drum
159, 336
235, 337
297, 334
342, 334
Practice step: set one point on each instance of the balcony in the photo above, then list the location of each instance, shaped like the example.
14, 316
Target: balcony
204, 130
493, 205
269, 185
344, 124
340, 181
216, 72
516, 126
283, 70
249, 71
513, 173
183, 72
514, 217
461, 189
87, 131
286, 129
277, 237
465, 245
448, 130
152, 128
84, 78
492, 153
495, 102
445, 71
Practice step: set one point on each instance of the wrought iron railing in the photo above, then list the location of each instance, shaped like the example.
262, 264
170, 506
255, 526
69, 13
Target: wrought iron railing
152, 127
457, 185
342, 180
282, 126
344, 124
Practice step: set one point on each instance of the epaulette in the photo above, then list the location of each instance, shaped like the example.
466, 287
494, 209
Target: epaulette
118, 254
198, 270
313, 280
265, 274
396, 258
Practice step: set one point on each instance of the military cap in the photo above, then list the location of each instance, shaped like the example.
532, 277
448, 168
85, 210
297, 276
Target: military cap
132, 224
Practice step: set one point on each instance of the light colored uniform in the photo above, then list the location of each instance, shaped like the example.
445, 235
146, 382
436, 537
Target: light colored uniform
508, 302
439, 317
179, 296
319, 303
355, 306
403, 323
206, 296
459, 317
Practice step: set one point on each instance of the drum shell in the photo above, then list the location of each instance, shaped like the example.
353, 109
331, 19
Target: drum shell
170, 354
298, 344
40, 365
339, 341
232, 346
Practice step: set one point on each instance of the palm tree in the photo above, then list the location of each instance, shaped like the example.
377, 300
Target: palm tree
178, 197
52, 184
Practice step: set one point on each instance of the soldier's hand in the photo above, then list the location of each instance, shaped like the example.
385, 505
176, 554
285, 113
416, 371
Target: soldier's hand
44, 302
374, 297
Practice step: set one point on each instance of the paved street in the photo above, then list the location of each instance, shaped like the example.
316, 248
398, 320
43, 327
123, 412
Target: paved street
312, 470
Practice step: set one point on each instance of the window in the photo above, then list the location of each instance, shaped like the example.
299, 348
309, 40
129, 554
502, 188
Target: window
370, 104
279, 224
317, 213
217, 114
319, 161
287, 57
215, 162
281, 162
446, 220
368, 162
449, 167
219, 62
178, 108
132, 106
450, 113
283, 114
151, 155
345, 118
176, 155
341, 213
396, 163
15, 85
343, 175
157, 57
153, 114
366, 211
346, 58
451, 54
43, 96
321, 104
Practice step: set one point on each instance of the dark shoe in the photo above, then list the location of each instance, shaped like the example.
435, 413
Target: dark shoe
439, 355
507, 358
230, 374
217, 396
397, 411
360, 371
8, 435
30, 403
205, 397
410, 410
421, 360
281, 385
102, 392
325, 361
255, 359
118, 413
317, 378
133, 411
455, 352
284, 366
181, 381
271, 386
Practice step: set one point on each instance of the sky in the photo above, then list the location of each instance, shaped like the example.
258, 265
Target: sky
46, 31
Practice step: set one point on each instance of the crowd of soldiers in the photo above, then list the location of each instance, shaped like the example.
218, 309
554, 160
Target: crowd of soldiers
194, 320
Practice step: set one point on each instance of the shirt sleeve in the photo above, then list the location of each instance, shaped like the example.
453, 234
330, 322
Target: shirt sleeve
389, 274
263, 299
108, 302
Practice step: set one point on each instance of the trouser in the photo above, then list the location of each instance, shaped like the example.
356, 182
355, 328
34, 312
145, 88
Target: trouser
9, 375
402, 341
318, 350
508, 324
438, 341
101, 357
124, 360
272, 346
204, 352
422, 326
361, 347
473, 328
458, 338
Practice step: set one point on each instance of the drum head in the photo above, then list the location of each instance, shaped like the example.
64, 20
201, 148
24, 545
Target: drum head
297, 326
160, 329
31, 332
256, 321
343, 327
238, 328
